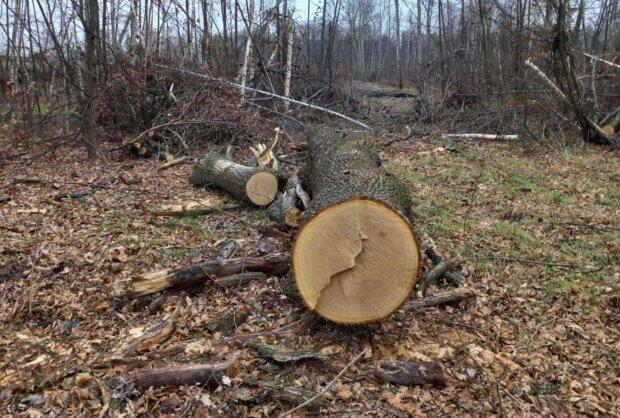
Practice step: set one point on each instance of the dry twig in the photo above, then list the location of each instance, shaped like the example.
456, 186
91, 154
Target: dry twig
328, 387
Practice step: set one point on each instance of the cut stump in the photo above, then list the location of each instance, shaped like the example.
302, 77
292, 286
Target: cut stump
356, 259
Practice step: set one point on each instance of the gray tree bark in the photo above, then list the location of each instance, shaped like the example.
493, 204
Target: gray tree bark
346, 168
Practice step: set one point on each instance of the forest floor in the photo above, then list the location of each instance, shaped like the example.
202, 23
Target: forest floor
537, 227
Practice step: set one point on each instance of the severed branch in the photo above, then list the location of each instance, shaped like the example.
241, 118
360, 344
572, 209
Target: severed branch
604, 61
441, 298
286, 392
446, 271
611, 122
283, 355
207, 375
437, 273
241, 279
284, 208
194, 208
480, 136
154, 335
301, 193
452, 277
547, 80
173, 162
157, 127
146, 284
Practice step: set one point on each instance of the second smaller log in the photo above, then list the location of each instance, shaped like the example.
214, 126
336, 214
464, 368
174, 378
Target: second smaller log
255, 184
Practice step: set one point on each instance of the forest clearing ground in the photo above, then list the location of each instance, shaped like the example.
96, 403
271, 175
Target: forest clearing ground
538, 228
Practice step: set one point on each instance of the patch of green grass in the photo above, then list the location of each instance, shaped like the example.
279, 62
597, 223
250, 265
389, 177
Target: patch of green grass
129, 240
486, 176
482, 266
558, 198
113, 221
152, 242
405, 173
567, 284
520, 184
33, 240
437, 218
549, 194
516, 235
187, 223
174, 254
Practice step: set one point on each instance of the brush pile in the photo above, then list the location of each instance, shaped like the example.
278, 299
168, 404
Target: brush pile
154, 113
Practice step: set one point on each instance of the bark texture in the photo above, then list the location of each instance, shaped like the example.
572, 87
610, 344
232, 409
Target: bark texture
453, 277
217, 170
442, 298
341, 169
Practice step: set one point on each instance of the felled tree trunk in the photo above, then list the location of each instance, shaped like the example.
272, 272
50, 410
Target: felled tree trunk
255, 184
356, 259
611, 123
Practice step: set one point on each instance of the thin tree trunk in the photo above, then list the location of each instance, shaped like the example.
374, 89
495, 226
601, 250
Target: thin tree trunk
15, 56
206, 6
243, 72
188, 28
399, 66
224, 21
322, 47
91, 30
289, 62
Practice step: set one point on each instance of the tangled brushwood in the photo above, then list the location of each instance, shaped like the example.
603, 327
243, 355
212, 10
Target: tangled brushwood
153, 112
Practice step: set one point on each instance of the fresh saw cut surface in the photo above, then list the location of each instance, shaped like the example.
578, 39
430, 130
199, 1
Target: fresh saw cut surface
355, 261
262, 188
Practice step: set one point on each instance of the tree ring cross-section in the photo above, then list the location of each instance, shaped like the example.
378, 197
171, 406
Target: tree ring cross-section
356, 259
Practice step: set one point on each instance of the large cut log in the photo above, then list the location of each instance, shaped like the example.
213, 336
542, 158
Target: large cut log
356, 259
146, 284
256, 184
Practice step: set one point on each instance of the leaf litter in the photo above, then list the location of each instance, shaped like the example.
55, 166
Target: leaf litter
538, 341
